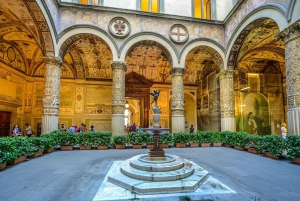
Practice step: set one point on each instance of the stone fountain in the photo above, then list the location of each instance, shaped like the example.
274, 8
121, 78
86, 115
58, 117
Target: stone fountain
157, 172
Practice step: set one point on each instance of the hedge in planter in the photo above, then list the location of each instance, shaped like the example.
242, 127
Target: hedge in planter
165, 138
228, 137
85, 140
138, 138
241, 140
120, 140
217, 138
205, 136
181, 138
274, 144
101, 139
67, 139
293, 146
8, 150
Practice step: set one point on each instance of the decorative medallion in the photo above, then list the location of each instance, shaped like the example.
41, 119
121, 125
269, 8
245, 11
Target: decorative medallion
119, 27
11, 54
178, 33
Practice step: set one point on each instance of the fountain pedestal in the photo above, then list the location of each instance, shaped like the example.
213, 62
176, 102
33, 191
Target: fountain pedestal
156, 153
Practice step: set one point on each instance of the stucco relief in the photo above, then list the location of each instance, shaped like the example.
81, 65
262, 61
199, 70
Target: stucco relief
177, 102
79, 103
11, 57
28, 96
244, 9
118, 87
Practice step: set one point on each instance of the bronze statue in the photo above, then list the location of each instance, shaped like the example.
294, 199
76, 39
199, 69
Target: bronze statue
154, 95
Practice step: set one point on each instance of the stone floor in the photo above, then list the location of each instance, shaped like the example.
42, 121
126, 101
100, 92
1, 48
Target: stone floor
81, 175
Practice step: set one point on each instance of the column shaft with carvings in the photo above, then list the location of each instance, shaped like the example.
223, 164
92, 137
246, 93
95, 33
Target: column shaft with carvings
227, 102
177, 103
51, 94
118, 97
291, 38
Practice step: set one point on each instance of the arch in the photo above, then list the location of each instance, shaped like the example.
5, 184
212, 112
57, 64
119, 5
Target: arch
200, 42
149, 36
294, 13
87, 29
267, 12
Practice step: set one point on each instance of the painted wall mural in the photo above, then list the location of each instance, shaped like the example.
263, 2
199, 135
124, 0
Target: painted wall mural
11, 57
245, 8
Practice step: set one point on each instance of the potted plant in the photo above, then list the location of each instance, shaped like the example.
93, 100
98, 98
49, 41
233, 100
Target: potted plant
49, 143
227, 138
217, 139
205, 138
37, 145
101, 140
254, 144
150, 142
240, 140
137, 139
293, 148
194, 139
85, 140
120, 141
8, 151
24, 148
67, 141
274, 146
180, 139
164, 140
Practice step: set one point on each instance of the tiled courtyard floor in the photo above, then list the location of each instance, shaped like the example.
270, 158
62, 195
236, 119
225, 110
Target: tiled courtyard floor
78, 175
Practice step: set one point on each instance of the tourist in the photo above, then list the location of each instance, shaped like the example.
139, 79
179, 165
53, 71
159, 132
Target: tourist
133, 127
140, 130
192, 129
92, 128
28, 130
63, 128
151, 125
72, 129
76, 129
283, 130
16, 131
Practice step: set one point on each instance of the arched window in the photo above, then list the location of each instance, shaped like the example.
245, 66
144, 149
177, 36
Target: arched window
150, 5
201, 9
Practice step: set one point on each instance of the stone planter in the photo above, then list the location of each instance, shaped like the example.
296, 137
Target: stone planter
82, 147
137, 146
227, 145
239, 148
17, 160
269, 155
180, 145
217, 144
66, 148
253, 151
194, 144
120, 146
48, 151
205, 144
37, 154
2, 166
102, 147
150, 146
163, 146
296, 161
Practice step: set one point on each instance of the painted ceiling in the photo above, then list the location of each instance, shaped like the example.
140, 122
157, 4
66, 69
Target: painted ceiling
23, 30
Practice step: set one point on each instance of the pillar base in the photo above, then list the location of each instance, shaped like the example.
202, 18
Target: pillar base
117, 124
178, 124
293, 121
49, 123
228, 124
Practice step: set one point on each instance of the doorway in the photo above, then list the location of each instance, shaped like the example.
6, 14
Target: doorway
5, 123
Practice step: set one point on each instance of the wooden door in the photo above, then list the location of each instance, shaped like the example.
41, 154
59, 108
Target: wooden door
5, 123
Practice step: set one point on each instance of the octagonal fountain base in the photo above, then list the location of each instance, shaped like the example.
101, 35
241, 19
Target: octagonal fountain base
171, 175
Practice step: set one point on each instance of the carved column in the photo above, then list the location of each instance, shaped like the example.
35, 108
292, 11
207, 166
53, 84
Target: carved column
291, 38
118, 97
227, 100
177, 103
51, 94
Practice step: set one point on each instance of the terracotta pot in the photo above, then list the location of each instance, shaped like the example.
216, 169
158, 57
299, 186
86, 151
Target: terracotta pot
239, 148
137, 146
17, 160
227, 145
102, 147
253, 150
205, 144
217, 144
180, 145
296, 161
82, 147
150, 146
48, 151
2, 166
194, 144
120, 146
66, 148
269, 155
37, 154
163, 146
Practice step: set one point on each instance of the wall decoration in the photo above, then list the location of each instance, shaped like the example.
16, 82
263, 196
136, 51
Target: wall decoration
119, 27
66, 95
178, 33
11, 54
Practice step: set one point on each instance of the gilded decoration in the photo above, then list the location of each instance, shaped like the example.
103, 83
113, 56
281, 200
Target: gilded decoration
177, 102
227, 104
118, 109
118, 85
28, 96
79, 104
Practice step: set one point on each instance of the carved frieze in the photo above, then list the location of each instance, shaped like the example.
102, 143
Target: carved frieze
290, 32
118, 85
79, 104
118, 109
177, 102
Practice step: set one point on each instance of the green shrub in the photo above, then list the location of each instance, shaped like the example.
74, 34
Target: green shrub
120, 139
241, 139
181, 137
24, 146
205, 136
195, 137
101, 138
165, 138
216, 137
138, 138
50, 142
293, 146
8, 149
67, 139
274, 144
228, 137
38, 143
85, 138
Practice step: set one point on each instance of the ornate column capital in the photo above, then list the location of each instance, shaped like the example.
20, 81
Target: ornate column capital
118, 65
52, 60
175, 71
289, 33
226, 73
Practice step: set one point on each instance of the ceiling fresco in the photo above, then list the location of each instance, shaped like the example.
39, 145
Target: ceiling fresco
25, 35
200, 62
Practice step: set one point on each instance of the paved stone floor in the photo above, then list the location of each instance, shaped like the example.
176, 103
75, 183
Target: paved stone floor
78, 175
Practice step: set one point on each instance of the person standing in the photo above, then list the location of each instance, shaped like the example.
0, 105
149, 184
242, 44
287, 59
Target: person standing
284, 130
63, 128
72, 129
16, 131
92, 128
192, 129
133, 128
28, 130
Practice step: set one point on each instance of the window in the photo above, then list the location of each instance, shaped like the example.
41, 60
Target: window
149, 5
83, 1
202, 9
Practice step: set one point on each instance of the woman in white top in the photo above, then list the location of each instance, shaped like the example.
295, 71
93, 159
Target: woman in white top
283, 130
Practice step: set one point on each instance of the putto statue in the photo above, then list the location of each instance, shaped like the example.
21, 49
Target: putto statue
155, 95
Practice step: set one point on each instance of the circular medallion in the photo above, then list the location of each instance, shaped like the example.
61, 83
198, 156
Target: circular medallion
119, 27
178, 33
11, 54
